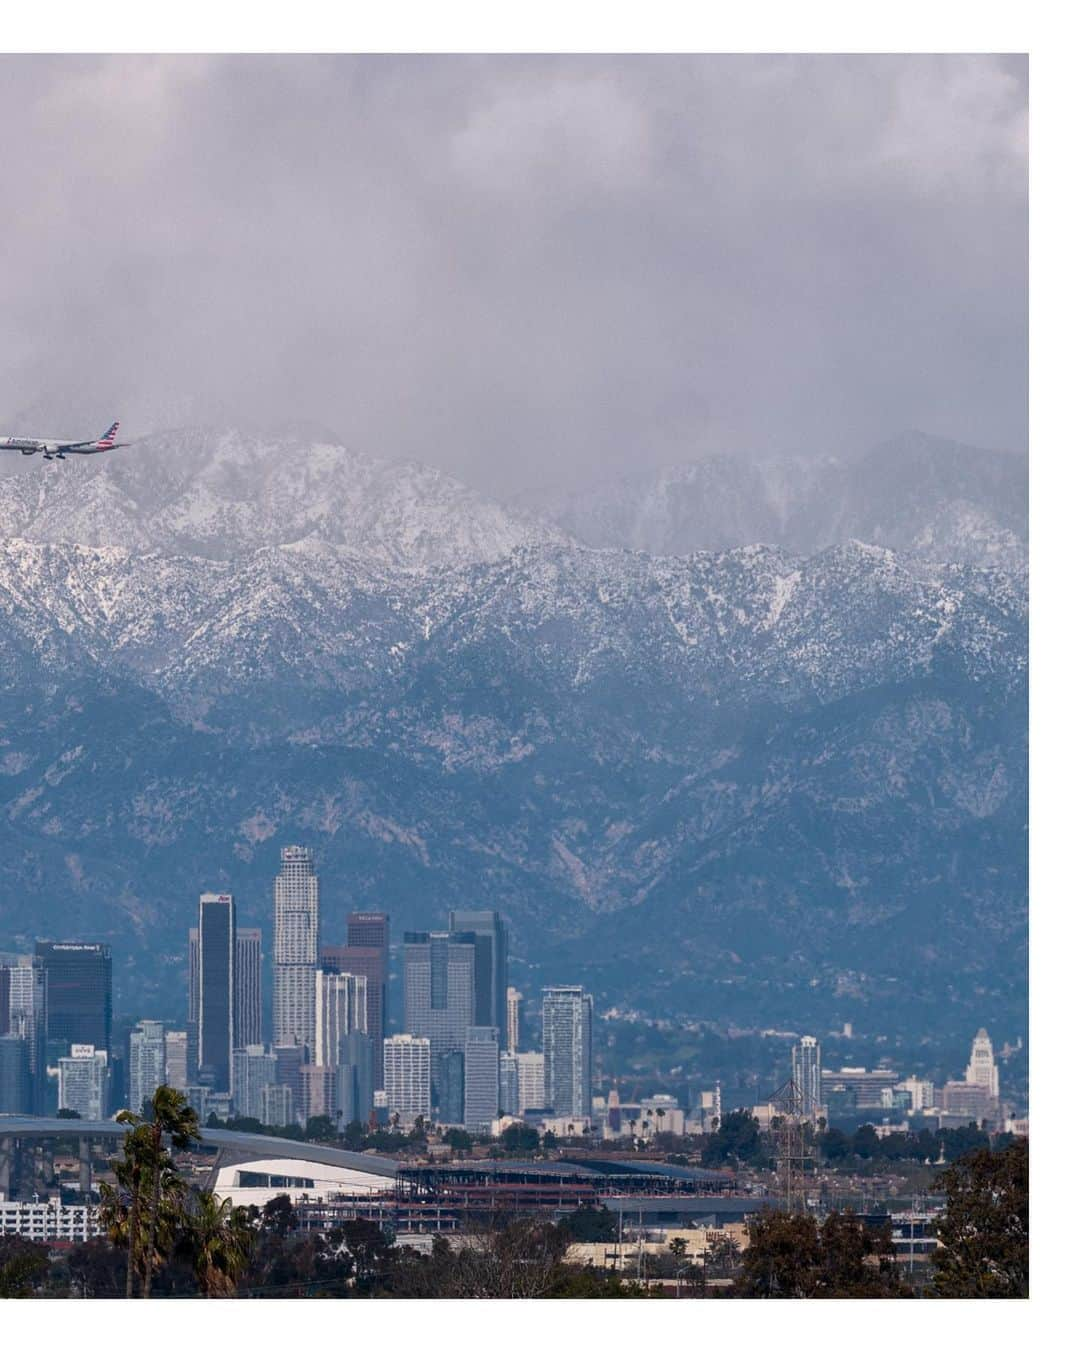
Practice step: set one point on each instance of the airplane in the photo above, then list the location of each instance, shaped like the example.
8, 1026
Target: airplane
59, 449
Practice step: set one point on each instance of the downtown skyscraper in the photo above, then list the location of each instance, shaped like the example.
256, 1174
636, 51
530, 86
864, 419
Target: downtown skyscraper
78, 991
296, 948
490, 965
440, 988
248, 1003
216, 1012
567, 1015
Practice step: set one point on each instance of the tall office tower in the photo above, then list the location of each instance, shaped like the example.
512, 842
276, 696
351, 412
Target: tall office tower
340, 1007
439, 987
248, 1030
216, 990
806, 1074
489, 970
276, 1108
513, 1020
296, 947
84, 1081
253, 1068
367, 953
568, 1051
146, 1063
193, 1006
23, 1013
356, 1076
15, 1084
481, 1078
407, 1074
508, 1084
78, 984
981, 1070
176, 1059
532, 1086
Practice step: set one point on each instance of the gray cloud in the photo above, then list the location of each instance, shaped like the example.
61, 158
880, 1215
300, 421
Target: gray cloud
524, 270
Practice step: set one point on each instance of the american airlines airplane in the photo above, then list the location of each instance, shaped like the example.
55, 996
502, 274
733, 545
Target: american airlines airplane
59, 449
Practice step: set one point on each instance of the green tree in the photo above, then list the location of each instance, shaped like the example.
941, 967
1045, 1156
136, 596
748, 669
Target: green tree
357, 1135
96, 1269
520, 1140
736, 1139
217, 1241
983, 1235
791, 1255
24, 1266
320, 1129
459, 1140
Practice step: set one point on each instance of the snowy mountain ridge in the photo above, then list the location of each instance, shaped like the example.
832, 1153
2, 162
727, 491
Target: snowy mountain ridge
221, 493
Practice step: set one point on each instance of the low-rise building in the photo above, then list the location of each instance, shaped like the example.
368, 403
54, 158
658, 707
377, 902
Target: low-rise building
49, 1220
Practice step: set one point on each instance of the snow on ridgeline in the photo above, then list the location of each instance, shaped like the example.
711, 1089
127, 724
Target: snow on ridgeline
751, 622
222, 493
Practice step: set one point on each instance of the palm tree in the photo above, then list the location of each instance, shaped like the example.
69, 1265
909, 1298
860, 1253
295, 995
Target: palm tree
217, 1242
146, 1177
171, 1116
126, 1208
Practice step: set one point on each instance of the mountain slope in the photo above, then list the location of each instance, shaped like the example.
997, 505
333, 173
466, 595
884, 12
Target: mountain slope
748, 776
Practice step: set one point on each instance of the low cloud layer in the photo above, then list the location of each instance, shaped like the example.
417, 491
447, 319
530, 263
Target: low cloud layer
528, 271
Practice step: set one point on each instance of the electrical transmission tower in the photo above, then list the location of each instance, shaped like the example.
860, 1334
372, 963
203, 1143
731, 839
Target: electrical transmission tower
790, 1137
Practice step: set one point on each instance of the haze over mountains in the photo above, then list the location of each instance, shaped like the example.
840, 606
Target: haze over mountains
916, 493
764, 766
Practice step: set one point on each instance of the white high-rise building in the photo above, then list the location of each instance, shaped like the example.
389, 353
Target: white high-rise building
513, 1020
296, 948
340, 1007
248, 1007
522, 1078
806, 1074
481, 1078
981, 1069
176, 1059
567, 1051
407, 1077
146, 1062
84, 1081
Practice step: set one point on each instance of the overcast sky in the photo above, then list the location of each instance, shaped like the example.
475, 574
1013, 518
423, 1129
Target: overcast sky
528, 271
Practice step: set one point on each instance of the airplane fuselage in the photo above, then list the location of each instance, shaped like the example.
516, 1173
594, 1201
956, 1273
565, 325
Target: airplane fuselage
58, 449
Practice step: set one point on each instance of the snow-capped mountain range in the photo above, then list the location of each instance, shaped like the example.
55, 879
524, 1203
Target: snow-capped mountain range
803, 749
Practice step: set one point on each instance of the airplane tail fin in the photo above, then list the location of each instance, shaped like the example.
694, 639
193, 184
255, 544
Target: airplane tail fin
108, 440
